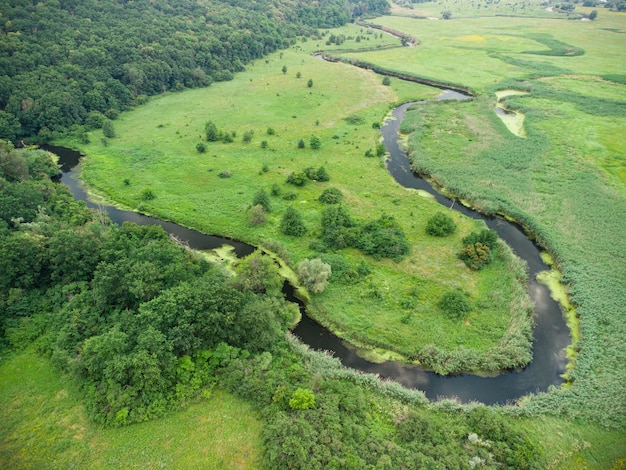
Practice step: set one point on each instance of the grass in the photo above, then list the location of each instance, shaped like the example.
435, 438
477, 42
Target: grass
155, 148
44, 425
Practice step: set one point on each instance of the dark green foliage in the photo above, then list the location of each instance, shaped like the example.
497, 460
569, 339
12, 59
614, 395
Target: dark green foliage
107, 129
455, 304
338, 228
224, 174
380, 150
486, 237
386, 81
309, 83
258, 273
291, 223
200, 147
476, 255
315, 142
383, 238
247, 136
297, 178
290, 196
322, 175
211, 132
331, 196
301, 144
147, 194
440, 225
276, 190
342, 271
262, 199
354, 119
271, 131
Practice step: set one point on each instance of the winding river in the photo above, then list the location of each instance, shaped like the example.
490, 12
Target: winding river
551, 335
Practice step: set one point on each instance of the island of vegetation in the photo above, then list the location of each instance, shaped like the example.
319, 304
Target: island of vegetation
126, 328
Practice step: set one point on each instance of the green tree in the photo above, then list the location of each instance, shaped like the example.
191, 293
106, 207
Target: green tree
302, 399
292, 224
309, 83
446, 14
440, 225
331, 196
315, 142
314, 274
258, 273
386, 81
211, 131
107, 129
301, 144
455, 304
593, 14
261, 198
284, 69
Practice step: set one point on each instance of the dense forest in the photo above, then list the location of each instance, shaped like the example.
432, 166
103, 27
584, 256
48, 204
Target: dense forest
145, 326
68, 65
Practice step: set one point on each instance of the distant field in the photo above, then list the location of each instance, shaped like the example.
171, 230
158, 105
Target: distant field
44, 425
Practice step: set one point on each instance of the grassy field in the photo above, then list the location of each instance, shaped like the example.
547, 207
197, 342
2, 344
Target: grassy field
394, 308
43, 424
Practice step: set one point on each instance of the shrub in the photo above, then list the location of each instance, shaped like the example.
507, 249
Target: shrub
270, 131
247, 136
224, 174
256, 215
440, 225
200, 148
301, 144
383, 238
331, 196
315, 142
341, 270
386, 81
380, 150
314, 274
262, 199
486, 237
276, 190
297, 179
354, 119
455, 304
107, 129
291, 223
147, 194
290, 196
322, 175
476, 256
211, 132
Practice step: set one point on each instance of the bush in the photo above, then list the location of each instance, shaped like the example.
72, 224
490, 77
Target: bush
440, 225
261, 198
476, 256
486, 237
383, 238
200, 148
314, 274
256, 215
315, 142
291, 223
107, 129
455, 304
297, 179
331, 196
147, 194
386, 81
224, 174
247, 136
322, 175
354, 119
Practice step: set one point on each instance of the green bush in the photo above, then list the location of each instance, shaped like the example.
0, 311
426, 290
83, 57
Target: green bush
486, 237
331, 196
302, 399
476, 256
314, 274
261, 198
455, 304
440, 225
147, 194
297, 179
291, 223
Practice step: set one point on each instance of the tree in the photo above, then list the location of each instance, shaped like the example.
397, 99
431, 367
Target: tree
298, 74
309, 83
314, 274
446, 14
302, 399
386, 81
454, 304
291, 223
331, 196
593, 15
200, 147
301, 144
315, 142
107, 129
212, 134
262, 199
440, 225
258, 273
284, 69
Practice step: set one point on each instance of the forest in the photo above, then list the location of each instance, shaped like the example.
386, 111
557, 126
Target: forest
69, 65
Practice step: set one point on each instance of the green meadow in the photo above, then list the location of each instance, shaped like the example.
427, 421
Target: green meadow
394, 308
45, 425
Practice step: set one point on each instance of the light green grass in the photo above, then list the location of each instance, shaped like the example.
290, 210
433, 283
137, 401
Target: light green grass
43, 424
155, 148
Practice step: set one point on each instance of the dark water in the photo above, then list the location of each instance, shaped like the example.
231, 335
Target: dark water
551, 334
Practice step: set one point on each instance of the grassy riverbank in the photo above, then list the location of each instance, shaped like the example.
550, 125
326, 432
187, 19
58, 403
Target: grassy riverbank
565, 180
395, 306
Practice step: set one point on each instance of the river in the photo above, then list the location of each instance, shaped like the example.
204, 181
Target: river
550, 335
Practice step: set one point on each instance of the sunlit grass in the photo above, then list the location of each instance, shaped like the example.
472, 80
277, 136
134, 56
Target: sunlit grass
44, 425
